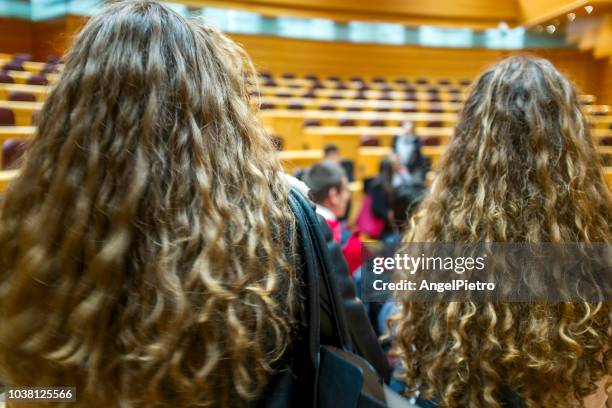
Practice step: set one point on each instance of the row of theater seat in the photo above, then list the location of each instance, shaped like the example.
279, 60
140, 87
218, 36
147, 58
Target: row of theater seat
327, 94
377, 79
342, 85
14, 148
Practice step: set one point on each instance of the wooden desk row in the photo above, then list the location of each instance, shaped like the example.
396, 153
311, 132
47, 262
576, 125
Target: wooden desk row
40, 92
328, 83
368, 159
366, 163
353, 94
375, 155
369, 94
29, 66
363, 95
21, 77
393, 105
289, 124
36, 67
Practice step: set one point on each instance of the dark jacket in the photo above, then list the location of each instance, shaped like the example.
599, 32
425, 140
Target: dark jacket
342, 321
360, 331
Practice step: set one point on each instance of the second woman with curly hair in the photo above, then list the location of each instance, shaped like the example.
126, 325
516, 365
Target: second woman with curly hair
521, 168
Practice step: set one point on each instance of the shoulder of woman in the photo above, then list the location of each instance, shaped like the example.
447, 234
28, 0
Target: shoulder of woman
292, 182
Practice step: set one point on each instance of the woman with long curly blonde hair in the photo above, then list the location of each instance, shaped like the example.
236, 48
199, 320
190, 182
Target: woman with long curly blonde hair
521, 167
144, 247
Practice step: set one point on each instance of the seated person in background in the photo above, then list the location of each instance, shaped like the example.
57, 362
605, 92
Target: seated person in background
521, 168
394, 182
329, 190
374, 216
331, 153
407, 147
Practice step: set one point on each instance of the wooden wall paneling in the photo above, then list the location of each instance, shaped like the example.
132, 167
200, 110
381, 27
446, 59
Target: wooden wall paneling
16, 36
280, 55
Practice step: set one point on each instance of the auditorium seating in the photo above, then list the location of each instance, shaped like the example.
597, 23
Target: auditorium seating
359, 114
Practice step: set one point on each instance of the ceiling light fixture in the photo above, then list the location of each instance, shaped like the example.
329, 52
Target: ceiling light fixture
551, 29
588, 9
571, 16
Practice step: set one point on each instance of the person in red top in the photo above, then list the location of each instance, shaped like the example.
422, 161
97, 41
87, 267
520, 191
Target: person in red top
328, 185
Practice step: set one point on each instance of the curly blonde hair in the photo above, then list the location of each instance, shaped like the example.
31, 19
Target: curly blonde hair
521, 167
145, 246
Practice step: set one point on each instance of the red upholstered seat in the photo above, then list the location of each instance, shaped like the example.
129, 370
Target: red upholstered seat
37, 80
264, 106
49, 69
377, 123
369, 141
21, 97
12, 151
7, 117
295, 106
312, 122
13, 66
5, 78
346, 122
22, 57
606, 141
327, 108
430, 141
